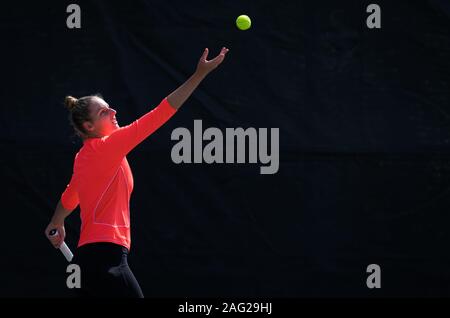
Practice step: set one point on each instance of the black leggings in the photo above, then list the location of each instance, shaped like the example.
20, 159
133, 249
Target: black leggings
105, 271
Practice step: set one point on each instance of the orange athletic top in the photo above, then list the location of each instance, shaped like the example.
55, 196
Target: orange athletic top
102, 181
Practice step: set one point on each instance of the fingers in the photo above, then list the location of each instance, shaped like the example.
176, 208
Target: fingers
224, 51
204, 55
58, 239
222, 54
62, 237
205, 66
219, 58
55, 240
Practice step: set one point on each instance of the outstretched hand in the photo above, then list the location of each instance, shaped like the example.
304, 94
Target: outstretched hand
204, 66
182, 93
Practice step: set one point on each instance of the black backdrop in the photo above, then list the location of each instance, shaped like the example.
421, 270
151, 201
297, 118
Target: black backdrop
364, 125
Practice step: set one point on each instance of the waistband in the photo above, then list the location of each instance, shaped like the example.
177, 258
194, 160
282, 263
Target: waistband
101, 254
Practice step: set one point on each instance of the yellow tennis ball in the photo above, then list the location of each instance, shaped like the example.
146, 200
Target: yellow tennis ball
243, 22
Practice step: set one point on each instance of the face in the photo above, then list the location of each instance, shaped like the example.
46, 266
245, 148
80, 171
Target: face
103, 118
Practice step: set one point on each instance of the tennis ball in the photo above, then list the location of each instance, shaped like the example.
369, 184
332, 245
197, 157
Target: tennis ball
243, 22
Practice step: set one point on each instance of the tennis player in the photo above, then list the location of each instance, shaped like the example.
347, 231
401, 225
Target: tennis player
102, 184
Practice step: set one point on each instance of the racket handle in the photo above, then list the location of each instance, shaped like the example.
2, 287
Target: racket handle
66, 251
63, 248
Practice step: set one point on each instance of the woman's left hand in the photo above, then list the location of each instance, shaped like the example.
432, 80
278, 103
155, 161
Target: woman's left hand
204, 66
56, 240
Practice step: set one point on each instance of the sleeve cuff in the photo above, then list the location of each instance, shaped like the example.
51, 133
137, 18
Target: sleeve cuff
166, 101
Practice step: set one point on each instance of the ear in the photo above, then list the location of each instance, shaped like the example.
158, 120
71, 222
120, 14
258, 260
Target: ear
88, 126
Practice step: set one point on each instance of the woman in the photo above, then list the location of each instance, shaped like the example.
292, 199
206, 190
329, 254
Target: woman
102, 183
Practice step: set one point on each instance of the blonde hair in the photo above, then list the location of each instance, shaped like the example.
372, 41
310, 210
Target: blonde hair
70, 102
79, 112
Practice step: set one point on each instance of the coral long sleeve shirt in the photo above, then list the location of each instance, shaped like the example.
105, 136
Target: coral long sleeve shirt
102, 181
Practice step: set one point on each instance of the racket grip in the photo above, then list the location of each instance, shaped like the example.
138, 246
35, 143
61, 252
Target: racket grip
63, 247
66, 252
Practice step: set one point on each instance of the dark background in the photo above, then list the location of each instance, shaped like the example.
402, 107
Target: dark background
364, 119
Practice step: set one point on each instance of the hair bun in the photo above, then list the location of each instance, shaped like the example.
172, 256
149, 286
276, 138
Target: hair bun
70, 102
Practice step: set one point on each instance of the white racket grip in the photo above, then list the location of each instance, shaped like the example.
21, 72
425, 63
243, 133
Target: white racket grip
63, 248
66, 251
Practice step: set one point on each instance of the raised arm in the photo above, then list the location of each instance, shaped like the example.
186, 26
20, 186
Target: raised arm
123, 140
177, 98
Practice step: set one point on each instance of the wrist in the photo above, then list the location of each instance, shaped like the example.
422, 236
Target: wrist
200, 74
57, 221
